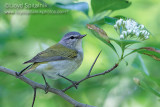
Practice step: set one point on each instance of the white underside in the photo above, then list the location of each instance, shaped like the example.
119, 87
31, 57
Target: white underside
62, 67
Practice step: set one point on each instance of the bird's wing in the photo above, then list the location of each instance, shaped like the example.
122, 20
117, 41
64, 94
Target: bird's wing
54, 53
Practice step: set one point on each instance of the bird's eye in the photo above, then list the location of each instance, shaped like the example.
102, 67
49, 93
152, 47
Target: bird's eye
72, 37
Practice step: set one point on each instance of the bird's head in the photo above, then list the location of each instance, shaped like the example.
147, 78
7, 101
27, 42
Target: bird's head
72, 40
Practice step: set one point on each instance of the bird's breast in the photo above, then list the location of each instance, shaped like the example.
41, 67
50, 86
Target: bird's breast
63, 67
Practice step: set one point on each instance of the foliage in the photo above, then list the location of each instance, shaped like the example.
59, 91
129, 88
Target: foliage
21, 37
105, 5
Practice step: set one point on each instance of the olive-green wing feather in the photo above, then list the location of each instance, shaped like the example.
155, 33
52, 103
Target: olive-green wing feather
54, 53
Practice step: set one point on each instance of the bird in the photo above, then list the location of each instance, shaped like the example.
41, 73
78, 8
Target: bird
59, 60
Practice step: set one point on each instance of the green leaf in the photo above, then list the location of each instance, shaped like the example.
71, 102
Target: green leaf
145, 86
101, 34
120, 17
110, 20
124, 43
139, 64
103, 5
80, 6
98, 22
152, 52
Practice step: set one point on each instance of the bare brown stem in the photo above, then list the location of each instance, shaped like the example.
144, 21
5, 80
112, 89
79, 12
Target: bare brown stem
36, 85
89, 73
40, 86
91, 76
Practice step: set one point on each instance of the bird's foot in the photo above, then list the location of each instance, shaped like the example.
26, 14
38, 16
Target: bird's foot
17, 74
46, 88
74, 83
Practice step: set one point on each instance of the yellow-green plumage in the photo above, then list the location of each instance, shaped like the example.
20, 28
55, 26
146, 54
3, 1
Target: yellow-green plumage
62, 58
53, 53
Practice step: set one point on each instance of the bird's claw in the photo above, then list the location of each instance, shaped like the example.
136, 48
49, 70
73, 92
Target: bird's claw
17, 75
46, 88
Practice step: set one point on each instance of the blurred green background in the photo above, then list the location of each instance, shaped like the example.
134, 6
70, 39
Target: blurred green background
23, 36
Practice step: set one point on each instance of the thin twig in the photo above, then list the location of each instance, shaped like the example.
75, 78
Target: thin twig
91, 76
57, 91
105, 72
34, 97
40, 86
93, 64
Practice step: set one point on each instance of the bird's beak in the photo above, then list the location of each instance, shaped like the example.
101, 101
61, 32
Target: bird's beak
81, 36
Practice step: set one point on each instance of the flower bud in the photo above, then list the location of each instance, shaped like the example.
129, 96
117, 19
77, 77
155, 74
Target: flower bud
148, 33
134, 31
145, 33
124, 33
115, 26
137, 34
146, 37
119, 23
129, 31
121, 36
131, 28
141, 26
121, 20
136, 80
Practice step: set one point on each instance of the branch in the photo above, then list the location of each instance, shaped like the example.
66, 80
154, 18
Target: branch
52, 90
91, 76
61, 93
34, 97
89, 73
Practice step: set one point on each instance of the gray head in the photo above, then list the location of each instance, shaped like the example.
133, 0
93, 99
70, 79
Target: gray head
72, 40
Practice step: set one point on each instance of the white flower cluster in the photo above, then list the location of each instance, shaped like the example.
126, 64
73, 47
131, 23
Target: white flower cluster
130, 29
